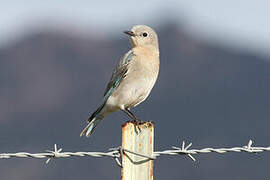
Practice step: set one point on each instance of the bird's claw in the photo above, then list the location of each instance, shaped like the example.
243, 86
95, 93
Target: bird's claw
137, 123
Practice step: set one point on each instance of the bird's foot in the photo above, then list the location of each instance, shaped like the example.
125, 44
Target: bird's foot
137, 122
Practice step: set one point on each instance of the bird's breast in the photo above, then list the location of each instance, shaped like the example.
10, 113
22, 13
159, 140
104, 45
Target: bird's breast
138, 82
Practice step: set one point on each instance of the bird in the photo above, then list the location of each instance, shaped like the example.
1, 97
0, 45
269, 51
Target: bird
132, 79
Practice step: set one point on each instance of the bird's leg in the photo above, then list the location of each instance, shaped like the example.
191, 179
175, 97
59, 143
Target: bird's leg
132, 116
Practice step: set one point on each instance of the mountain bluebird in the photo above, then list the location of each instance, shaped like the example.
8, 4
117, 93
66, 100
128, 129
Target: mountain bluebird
132, 79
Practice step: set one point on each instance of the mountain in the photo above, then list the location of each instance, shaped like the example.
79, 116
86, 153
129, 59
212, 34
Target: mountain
206, 94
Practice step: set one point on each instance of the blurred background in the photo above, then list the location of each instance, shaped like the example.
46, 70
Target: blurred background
213, 89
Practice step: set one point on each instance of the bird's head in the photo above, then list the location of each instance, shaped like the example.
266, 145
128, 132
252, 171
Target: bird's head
142, 35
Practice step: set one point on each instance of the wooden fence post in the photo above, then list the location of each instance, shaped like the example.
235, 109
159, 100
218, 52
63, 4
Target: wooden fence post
138, 139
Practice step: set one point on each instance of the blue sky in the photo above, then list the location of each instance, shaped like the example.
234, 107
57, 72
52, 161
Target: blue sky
244, 23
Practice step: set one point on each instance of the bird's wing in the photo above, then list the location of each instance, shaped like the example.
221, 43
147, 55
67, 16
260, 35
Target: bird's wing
119, 73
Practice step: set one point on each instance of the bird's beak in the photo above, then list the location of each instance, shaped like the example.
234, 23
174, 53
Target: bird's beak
131, 33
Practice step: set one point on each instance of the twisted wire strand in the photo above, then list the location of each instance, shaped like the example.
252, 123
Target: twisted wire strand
117, 153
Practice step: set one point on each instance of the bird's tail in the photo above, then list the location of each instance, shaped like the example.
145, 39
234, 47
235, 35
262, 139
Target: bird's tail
93, 121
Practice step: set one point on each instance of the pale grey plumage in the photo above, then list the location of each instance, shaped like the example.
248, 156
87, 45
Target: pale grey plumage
132, 79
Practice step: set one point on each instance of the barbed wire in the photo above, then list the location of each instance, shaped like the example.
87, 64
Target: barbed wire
117, 153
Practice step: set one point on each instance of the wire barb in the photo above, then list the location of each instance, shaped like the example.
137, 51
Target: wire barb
118, 155
184, 150
56, 153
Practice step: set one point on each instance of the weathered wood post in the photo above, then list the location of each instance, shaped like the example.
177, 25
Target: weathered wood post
138, 139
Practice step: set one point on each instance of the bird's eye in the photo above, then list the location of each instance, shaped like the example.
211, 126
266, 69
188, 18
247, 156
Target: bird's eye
145, 34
